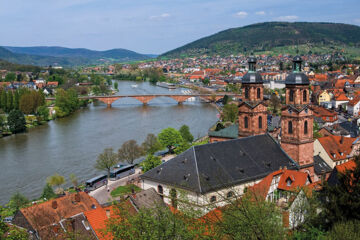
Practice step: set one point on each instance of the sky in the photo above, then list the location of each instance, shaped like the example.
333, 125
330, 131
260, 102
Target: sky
151, 26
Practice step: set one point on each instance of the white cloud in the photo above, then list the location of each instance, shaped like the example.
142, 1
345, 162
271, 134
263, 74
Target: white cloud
260, 13
287, 18
241, 14
161, 16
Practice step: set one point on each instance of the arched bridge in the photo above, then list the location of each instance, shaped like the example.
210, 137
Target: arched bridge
179, 98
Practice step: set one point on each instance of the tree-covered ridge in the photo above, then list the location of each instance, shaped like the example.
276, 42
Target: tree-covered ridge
272, 36
67, 57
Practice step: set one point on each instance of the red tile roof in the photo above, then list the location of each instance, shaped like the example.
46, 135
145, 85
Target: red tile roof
335, 145
350, 165
43, 215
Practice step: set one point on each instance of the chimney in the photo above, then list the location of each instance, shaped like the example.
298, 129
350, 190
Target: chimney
285, 167
77, 197
342, 140
54, 204
108, 213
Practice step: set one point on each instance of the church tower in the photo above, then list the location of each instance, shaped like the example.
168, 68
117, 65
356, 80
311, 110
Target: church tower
297, 120
252, 110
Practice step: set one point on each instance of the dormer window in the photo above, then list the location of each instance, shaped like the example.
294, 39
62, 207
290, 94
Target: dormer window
288, 182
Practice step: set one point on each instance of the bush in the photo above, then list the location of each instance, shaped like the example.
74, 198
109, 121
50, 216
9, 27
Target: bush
16, 121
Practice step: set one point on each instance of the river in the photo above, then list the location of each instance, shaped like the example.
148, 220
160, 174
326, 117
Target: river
72, 144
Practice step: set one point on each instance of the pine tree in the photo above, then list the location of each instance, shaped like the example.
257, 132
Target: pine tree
3, 101
10, 100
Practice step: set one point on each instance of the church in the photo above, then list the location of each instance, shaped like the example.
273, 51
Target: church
212, 173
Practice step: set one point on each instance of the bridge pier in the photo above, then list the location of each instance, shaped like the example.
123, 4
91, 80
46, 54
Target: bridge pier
108, 105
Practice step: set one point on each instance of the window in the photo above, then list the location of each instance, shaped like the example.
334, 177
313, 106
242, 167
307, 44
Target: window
260, 122
246, 93
246, 122
161, 191
306, 127
230, 194
258, 93
291, 96
304, 96
213, 199
290, 130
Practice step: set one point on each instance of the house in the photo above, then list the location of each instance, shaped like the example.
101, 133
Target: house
354, 106
286, 189
335, 150
340, 101
327, 116
324, 98
334, 176
98, 217
52, 219
207, 172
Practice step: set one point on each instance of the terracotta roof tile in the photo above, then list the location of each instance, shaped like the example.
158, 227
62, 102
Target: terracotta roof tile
337, 145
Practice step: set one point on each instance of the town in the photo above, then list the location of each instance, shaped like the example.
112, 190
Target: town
179, 120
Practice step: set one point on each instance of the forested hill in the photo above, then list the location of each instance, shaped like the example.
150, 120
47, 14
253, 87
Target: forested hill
277, 37
67, 57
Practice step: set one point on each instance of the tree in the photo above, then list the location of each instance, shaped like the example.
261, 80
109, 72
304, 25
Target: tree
16, 121
3, 101
30, 101
9, 101
2, 122
17, 201
56, 181
43, 113
106, 160
66, 102
130, 151
16, 100
10, 77
186, 134
151, 144
230, 112
275, 104
150, 162
250, 219
156, 223
48, 192
17, 234
225, 99
341, 202
74, 180
116, 85
170, 137
182, 147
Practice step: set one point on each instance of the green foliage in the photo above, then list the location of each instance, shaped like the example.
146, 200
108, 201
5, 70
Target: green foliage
43, 113
116, 85
275, 104
225, 99
15, 233
186, 134
251, 219
274, 37
150, 162
182, 147
3, 228
230, 113
48, 192
74, 180
345, 230
16, 121
30, 101
3, 100
56, 78
10, 77
311, 233
56, 181
170, 137
122, 190
342, 200
66, 102
130, 151
316, 129
106, 160
151, 144
17, 201
156, 223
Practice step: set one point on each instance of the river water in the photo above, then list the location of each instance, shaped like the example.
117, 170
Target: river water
71, 145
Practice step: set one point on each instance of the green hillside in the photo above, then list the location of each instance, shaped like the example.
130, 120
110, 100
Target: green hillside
276, 38
67, 57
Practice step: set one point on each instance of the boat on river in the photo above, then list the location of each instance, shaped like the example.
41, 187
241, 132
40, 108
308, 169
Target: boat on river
134, 86
166, 85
